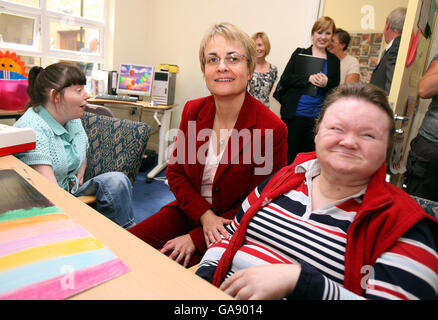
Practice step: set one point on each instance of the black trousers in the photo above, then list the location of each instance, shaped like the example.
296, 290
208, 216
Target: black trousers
300, 136
421, 177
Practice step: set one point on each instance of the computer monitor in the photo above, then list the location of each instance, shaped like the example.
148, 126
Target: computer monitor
135, 79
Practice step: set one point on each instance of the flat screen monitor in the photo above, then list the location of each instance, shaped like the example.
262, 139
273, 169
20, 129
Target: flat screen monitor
135, 79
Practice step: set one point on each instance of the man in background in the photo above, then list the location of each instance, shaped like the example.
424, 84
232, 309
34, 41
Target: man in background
382, 75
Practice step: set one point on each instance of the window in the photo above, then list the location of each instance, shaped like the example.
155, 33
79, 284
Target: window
41, 32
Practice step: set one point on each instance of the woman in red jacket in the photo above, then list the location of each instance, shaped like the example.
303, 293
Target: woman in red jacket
227, 144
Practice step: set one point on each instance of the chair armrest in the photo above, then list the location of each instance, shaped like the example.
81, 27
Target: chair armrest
87, 199
193, 268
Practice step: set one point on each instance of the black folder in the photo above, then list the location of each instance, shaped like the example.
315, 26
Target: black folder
307, 65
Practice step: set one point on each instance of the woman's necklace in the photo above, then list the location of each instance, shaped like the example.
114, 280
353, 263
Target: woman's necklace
224, 134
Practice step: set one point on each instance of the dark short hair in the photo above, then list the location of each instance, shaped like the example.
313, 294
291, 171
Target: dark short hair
57, 76
343, 37
362, 91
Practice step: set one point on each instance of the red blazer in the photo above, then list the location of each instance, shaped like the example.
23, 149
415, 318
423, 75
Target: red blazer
235, 177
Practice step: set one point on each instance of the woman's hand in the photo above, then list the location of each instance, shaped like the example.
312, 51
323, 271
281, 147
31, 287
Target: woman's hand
80, 178
272, 281
213, 227
182, 248
318, 79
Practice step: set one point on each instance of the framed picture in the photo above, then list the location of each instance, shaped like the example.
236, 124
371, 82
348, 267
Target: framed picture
363, 62
355, 52
366, 38
367, 50
355, 41
374, 50
364, 49
365, 74
373, 61
378, 37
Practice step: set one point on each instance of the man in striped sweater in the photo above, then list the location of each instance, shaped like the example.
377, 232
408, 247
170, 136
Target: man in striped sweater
329, 226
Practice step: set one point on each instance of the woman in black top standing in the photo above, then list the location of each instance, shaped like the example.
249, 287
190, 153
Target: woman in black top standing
298, 109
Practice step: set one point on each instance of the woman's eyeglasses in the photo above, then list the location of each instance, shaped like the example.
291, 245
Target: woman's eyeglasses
230, 59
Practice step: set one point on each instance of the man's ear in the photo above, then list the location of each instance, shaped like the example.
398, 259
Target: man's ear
387, 28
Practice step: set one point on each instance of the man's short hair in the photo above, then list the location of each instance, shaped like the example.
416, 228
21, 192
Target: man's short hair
396, 19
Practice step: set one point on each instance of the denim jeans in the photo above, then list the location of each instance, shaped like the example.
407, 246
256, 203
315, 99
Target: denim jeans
113, 193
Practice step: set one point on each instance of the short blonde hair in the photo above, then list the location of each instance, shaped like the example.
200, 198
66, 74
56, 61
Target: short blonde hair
265, 40
324, 23
231, 33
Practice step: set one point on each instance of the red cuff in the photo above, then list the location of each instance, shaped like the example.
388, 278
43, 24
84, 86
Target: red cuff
199, 239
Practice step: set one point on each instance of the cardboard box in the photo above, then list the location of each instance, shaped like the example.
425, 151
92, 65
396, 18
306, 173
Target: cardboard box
14, 140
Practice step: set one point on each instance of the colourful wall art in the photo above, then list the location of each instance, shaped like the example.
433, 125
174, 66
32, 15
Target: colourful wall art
367, 48
44, 254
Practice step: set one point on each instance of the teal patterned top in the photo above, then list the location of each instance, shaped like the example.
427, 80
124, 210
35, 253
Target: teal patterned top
64, 148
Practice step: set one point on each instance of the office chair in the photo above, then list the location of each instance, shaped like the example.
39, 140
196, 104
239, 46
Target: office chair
115, 145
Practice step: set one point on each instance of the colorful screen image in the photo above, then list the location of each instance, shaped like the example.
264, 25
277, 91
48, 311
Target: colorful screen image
135, 79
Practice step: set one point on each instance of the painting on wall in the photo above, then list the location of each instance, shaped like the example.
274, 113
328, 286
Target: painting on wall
366, 47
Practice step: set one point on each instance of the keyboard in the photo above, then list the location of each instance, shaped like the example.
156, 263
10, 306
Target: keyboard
116, 97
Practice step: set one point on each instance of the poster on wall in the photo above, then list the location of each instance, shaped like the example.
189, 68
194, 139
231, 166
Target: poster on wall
366, 47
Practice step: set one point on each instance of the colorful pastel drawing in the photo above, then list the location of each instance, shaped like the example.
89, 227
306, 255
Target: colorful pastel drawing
44, 254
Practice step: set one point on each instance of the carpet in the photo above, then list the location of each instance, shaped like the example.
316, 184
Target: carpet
148, 198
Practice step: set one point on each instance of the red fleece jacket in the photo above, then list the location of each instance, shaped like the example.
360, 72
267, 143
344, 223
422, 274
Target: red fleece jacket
387, 212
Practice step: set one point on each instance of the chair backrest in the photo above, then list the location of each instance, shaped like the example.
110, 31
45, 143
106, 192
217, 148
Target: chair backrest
431, 207
115, 145
97, 109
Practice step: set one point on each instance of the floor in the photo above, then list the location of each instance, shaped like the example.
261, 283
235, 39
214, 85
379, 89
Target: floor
148, 198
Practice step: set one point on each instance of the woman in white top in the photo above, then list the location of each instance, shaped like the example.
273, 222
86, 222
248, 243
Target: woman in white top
350, 72
265, 73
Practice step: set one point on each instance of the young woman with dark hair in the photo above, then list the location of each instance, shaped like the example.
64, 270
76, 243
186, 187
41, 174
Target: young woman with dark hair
57, 102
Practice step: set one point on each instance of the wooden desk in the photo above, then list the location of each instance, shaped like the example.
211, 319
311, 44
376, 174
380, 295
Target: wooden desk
163, 123
8, 114
152, 275
143, 104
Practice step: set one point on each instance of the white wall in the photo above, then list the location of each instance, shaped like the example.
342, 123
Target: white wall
169, 31
349, 14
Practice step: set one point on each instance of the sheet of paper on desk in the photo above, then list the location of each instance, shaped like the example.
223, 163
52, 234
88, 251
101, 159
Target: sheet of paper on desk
44, 254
